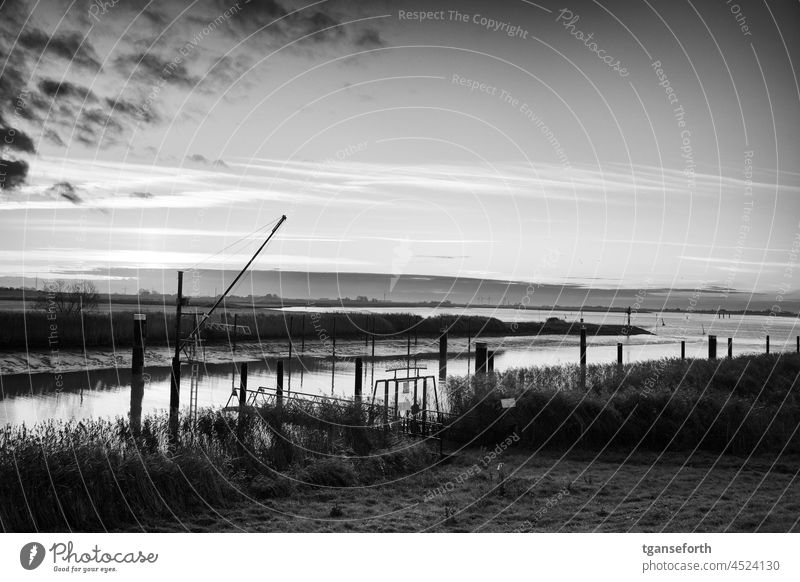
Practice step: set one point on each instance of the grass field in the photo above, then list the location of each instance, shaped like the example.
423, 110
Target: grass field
612, 493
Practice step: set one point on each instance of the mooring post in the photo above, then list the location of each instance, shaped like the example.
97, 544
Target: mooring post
443, 356
480, 357
767, 344
469, 348
279, 387
583, 357
289, 361
385, 404
137, 368
712, 347
240, 423
424, 406
137, 396
730, 348
235, 329
490, 361
333, 358
798, 344
359, 377
619, 356
139, 335
303, 335
175, 379
683, 349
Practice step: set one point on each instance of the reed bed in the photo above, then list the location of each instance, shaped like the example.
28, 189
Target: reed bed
739, 406
96, 475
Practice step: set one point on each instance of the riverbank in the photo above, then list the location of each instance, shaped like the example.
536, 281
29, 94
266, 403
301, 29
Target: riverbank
64, 360
40, 330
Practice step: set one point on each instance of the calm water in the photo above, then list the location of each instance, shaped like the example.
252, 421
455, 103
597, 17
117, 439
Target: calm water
31, 398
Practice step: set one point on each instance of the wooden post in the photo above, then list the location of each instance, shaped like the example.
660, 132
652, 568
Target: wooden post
279, 387
373, 336
619, 356
139, 335
469, 348
798, 344
396, 398
385, 404
683, 349
240, 423
303, 335
730, 348
235, 329
490, 361
359, 377
767, 344
480, 357
424, 406
443, 356
583, 358
333, 360
712, 347
408, 349
175, 379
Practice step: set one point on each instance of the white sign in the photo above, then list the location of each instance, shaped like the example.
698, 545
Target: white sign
508, 402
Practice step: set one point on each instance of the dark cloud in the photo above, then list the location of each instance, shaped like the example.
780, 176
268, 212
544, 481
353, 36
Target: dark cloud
69, 46
12, 173
201, 159
369, 38
130, 109
16, 140
65, 190
141, 195
65, 89
155, 69
198, 159
53, 137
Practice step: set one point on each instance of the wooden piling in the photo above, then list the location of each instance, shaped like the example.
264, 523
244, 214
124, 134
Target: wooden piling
279, 387
175, 378
767, 344
683, 349
619, 356
712, 347
139, 335
240, 423
490, 361
730, 348
235, 329
443, 357
359, 379
583, 358
480, 357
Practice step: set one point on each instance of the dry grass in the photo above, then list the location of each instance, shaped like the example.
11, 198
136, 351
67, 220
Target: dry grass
643, 492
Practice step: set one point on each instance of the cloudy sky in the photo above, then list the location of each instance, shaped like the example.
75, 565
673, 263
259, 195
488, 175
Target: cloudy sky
606, 144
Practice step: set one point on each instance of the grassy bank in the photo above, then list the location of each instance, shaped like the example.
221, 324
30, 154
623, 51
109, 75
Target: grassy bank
748, 404
38, 330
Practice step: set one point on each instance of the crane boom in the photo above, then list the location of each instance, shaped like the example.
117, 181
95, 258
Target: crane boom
239, 276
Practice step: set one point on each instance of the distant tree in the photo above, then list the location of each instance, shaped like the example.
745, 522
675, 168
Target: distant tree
68, 298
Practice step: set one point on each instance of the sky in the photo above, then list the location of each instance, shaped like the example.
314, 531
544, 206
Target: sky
605, 145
